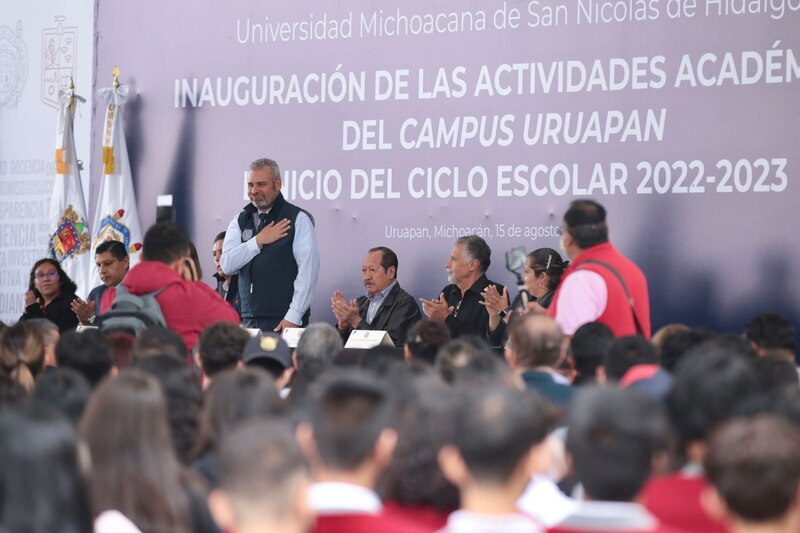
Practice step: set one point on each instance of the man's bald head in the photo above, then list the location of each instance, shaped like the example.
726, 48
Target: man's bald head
536, 341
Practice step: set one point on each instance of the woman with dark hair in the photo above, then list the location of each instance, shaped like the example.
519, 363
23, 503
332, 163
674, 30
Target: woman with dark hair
41, 490
543, 270
134, 467
50, 294
21, 354
423, 341
234, 397
413, 486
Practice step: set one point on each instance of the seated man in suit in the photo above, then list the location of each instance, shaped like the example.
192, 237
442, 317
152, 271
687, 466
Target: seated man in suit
112, 262
386, 306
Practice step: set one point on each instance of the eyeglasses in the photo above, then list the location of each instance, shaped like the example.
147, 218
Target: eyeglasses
43, 275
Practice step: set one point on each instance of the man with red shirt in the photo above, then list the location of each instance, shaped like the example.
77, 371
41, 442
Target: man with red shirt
601, 284
188, 304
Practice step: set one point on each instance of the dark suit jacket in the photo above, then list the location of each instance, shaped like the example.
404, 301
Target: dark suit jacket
398, 312
96, 294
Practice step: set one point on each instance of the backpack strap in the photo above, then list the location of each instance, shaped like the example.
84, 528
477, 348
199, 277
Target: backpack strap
639, 328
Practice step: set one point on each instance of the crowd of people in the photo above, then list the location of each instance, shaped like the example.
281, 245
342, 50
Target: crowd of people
555, 410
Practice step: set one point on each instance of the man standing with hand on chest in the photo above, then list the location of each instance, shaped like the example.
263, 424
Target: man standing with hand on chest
272, 247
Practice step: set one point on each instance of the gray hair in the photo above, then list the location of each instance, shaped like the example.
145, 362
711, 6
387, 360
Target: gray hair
258, 164
319, 343
476, 248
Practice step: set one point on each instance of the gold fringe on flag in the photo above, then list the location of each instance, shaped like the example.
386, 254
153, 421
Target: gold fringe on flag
108, 159
61, 161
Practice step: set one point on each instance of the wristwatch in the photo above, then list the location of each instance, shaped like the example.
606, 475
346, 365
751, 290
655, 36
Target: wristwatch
505, 312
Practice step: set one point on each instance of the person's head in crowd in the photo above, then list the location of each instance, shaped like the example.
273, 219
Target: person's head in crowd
535, 341
112, 262
11, 392
41, 487
413, 478
48, 330
614, 439
134, 469
754, 468
712, 385
48, 280
121, 344
736, 344
625, 353
584, 226
220, 348
463, 355
774, 371
197, 270
497, 444
424, 339
3, 326
351, 435
21, 354
64, 390
216, 255
317, 346
159, 340
657, 340
184, 397
270, 352
379, 269
87, 352
543, 270
264, 481
588, 348
168, 243
678, 343
772, 332
234, 397
469, 260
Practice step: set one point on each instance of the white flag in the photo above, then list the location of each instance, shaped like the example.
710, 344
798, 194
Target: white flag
116, 217
70, 237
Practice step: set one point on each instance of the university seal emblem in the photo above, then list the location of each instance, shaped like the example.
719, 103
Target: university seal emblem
111, 229
59, 59
71, 236
13, 65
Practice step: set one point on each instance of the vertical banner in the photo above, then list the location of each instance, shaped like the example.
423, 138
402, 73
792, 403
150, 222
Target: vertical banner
70, 237
116, 217
43, 45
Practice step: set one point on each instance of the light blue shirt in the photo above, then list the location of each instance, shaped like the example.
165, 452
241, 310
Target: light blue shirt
376, 300
237, 254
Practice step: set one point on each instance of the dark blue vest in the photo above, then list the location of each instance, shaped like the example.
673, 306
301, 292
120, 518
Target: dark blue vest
266, 284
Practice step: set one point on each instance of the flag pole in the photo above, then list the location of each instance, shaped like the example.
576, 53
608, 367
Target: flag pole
116, 77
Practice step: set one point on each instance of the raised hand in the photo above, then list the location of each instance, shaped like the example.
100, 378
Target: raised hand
437, 309
83, 310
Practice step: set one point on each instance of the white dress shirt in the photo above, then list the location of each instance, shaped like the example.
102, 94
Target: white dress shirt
237, 254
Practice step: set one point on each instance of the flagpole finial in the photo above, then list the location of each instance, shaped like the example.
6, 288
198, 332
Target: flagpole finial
116, 76
72, 95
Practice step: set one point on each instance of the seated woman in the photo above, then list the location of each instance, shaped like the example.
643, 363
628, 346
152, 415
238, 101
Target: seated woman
50, 294
543, 270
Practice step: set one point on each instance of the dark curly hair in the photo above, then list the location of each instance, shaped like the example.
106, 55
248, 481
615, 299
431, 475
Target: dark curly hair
65, 284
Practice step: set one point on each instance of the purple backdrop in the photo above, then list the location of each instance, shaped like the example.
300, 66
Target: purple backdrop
702, 132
